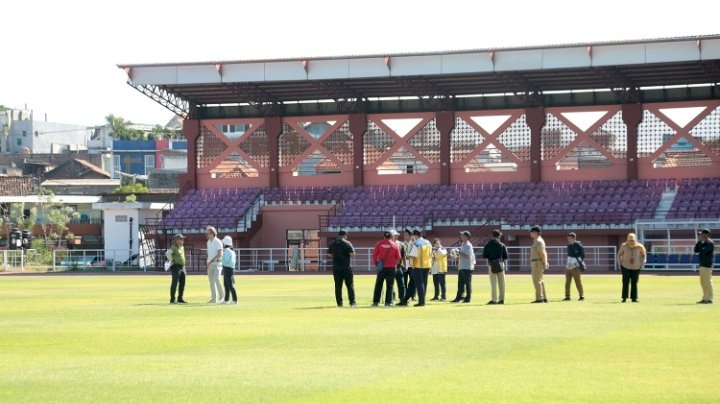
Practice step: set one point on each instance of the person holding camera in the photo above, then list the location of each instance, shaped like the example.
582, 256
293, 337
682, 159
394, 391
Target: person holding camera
439, 269
466, 264
574, 267
496, 254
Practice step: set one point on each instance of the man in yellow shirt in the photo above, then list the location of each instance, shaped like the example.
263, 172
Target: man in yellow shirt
421, 261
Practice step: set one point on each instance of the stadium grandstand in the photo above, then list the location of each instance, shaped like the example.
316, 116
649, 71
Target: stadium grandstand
597, 138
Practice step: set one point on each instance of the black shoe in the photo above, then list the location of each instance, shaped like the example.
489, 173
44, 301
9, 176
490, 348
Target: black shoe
537, 301
434, 299
340, 305
623, 300
181, 301
374, 305
581, 299
456, 301
566, 299
465, 301
501, 302
701, 302
544, 300
634, 300
708, 302
402, 303
491, 302
172, 302
418, 304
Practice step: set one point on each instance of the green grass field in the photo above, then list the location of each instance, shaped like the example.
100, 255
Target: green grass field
115, 339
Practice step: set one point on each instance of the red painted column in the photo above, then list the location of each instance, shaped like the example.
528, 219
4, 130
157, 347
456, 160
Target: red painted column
445, 122
535, 118
358, 127
273, 128
632, 115
191, 131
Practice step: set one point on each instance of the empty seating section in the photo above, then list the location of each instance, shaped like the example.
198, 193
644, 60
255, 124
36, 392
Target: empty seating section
589, 202
219, 207
697, 198
605, 202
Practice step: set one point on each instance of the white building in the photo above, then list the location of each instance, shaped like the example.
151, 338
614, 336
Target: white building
22, 133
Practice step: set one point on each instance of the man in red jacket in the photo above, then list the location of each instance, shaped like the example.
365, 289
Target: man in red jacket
387, 251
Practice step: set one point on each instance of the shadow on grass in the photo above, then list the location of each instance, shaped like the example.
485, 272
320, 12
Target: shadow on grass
326, 308
179, 305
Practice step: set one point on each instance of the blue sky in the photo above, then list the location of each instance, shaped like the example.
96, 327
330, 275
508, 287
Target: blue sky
60, 58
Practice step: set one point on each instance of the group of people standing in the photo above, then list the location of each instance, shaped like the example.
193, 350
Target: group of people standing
220, 263
407, 263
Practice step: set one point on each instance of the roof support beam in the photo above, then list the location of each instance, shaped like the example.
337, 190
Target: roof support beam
167, 99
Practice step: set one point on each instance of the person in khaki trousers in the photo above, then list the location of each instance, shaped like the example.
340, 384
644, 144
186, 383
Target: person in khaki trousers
538, 264
705, 248
495, 250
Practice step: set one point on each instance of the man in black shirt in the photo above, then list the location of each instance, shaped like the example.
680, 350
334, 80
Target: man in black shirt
340, 250
706, 249
495, 251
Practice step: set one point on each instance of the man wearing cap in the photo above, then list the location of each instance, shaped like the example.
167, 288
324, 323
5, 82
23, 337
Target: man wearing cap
228, 268
705, 248
495, 250
341, 250
385, 256
214, 268
399, 268
176, 255
538, 264
466, 264
408, 248
421, 261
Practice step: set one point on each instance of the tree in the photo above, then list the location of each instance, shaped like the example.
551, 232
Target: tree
160, 133
58, 219
136, 188
120, 129
18, 218
57, 216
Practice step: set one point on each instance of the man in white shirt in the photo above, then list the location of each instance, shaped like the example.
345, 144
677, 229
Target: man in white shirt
214, 270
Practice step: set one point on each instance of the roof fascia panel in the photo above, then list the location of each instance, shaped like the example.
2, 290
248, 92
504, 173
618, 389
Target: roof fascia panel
243, 72
518, 60
613, 55
559, 58
467, 63
671, 52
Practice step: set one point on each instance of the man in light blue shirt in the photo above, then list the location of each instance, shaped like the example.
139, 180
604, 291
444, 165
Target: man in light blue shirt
466, 264
228, 266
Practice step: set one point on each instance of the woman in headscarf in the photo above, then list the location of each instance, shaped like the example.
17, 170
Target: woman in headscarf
632, 257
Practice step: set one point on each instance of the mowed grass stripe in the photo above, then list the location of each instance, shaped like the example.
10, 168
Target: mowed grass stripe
115, 338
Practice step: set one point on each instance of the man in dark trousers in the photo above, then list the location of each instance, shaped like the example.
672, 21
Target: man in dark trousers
340, 250
176, 256
387, 255
705, 248
400, 269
